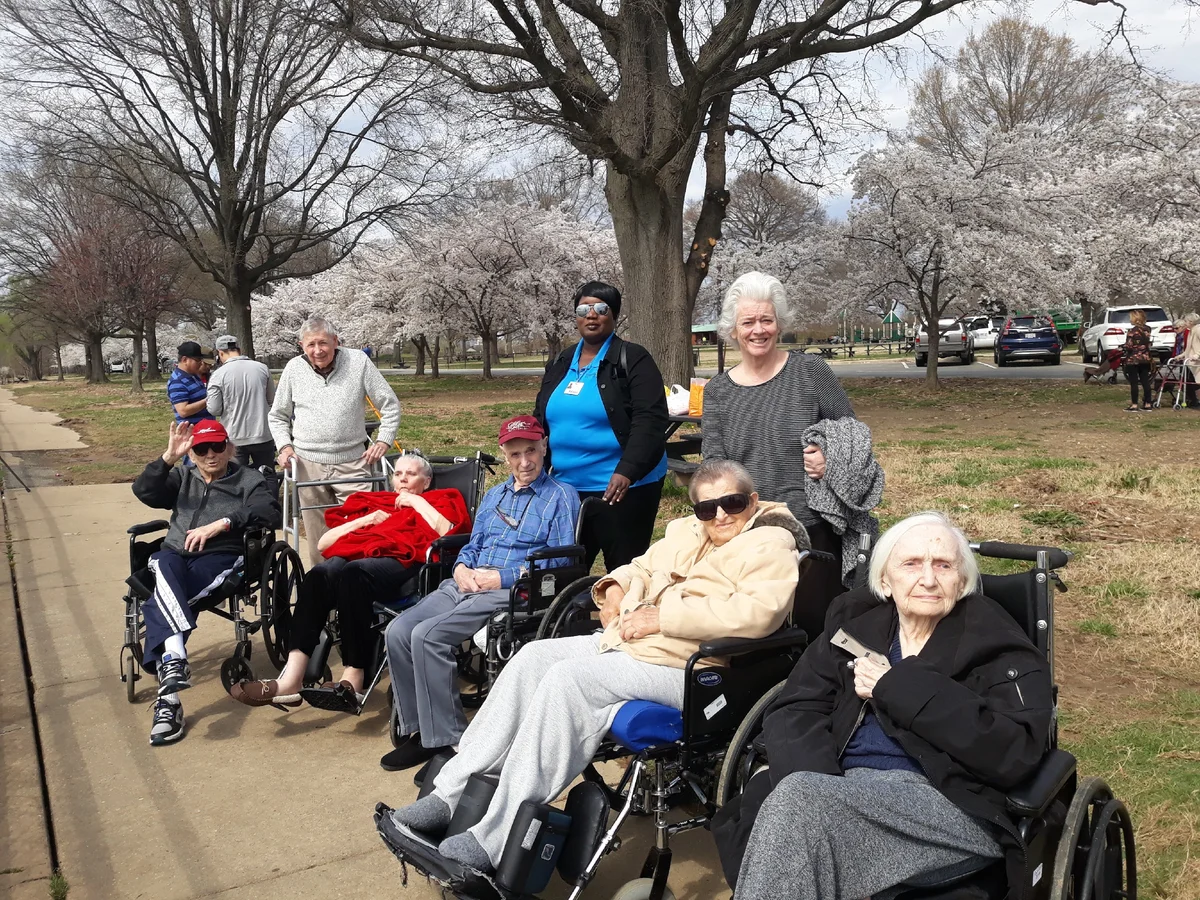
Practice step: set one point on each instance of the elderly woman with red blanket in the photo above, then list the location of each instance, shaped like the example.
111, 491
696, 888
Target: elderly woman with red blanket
375, 542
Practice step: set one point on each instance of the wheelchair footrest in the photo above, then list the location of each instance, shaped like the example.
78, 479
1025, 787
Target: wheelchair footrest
413, 849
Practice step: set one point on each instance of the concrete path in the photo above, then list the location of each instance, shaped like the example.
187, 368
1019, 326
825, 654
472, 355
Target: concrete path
252, 803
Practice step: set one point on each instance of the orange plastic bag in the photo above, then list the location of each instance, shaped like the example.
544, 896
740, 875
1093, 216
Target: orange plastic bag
696, 397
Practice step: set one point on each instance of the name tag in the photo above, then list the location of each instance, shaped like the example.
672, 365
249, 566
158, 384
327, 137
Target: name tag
573, 388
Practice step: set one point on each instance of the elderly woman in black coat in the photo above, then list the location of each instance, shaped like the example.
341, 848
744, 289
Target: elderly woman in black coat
892, 765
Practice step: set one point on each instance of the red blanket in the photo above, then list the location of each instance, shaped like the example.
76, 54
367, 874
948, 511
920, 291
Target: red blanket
404, 536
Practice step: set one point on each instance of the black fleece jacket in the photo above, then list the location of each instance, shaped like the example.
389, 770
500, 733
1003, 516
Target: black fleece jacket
973, 708
242, 495
633, 397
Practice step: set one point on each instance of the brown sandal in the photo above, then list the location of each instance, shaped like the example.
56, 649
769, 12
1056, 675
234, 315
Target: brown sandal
263, 693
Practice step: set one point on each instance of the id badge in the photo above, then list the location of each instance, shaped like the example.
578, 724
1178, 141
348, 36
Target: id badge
573, 388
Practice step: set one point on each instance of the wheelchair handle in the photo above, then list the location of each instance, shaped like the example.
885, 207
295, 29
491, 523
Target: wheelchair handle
1025, 552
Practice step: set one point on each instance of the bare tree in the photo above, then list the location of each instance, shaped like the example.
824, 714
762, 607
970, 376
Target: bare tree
243, 130
641, 85
767, 208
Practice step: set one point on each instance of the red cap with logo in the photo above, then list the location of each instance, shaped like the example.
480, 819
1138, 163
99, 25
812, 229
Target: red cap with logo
526, 427
209, 431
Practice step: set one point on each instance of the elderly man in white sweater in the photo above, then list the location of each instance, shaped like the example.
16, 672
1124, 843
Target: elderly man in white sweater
318, 419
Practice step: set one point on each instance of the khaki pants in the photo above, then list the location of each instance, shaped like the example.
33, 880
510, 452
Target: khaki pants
326, 495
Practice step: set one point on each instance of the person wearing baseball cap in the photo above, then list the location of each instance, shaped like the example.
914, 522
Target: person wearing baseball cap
240, 393
213, 501
529, 512
185, 387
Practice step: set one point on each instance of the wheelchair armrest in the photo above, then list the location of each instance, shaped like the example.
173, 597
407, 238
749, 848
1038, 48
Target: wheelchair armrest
1032, 797
567, 551
780, 640
451, 543
148, 527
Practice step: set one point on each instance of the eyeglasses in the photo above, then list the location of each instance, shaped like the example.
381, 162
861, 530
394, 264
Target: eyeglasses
213, 447
583, 309
706, 510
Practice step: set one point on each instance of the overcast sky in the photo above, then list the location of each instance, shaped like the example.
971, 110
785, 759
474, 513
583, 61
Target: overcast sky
1166, 36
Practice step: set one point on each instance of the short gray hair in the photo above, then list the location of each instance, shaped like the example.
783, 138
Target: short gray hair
968, 566
426, 468
755, 287
317, 325
1192, 319
716, 469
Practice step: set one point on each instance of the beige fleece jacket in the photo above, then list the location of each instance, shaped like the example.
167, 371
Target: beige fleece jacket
743, 588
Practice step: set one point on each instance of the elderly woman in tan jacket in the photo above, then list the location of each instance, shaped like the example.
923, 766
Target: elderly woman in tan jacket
729, 570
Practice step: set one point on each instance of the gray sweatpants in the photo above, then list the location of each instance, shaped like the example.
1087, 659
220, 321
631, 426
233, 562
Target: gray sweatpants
833, 837
420, 651
542, 722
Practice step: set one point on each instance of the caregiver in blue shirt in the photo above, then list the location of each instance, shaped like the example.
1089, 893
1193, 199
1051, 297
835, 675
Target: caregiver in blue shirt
603, 406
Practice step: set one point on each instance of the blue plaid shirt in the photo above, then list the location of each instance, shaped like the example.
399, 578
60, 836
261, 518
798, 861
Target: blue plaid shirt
514, 522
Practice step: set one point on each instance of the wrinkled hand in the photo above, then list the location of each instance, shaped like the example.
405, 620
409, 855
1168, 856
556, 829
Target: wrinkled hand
487, 579
611, 607
179, 442
285, 455
374, 453
198, 537
405, 498
375, 518
814, 462
866, 673
618, 486
465, 579
640, 623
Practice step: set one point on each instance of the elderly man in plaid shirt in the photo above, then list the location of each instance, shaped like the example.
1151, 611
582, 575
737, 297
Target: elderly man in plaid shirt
529, 512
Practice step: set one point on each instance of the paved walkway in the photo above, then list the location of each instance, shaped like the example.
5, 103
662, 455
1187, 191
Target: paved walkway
252, 803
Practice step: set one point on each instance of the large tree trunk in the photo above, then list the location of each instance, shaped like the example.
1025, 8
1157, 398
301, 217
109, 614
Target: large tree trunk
138, 333
422, 345
486, 338
237, 316
95, 359
434, 366
153, 369
554, 345
58, 358
648, 222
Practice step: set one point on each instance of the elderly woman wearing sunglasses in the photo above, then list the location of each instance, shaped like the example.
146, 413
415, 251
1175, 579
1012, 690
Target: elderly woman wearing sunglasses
727, 571
603, 407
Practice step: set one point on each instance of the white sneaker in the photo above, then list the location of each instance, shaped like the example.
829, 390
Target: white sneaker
168, 722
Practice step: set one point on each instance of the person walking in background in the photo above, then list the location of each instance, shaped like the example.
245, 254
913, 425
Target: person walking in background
318, 420
240, 392
602, 404
185, 389
1136, 353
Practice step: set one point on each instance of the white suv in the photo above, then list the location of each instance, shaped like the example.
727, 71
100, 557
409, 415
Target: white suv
954, 340
985, 330
1109, 332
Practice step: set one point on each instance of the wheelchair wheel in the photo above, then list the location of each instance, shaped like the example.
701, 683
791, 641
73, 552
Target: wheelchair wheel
562, 612
1096, 858
130, 676
742, 760
282, 573
639, 889
472, 674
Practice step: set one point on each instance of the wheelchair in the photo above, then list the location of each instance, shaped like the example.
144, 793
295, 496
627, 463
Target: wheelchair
283, 568
236, 594
691, 756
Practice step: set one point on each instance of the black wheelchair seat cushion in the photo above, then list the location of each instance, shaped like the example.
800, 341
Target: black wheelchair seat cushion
1032, 797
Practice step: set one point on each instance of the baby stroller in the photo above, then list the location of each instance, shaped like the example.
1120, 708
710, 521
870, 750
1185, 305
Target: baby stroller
1107, 370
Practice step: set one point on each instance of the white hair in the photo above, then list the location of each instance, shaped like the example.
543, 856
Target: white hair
317, 325
754, 287
1192, 319
714, 469
424, 465
967, 564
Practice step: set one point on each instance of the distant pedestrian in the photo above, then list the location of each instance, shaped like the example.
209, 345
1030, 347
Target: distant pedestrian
185, 389
240, 392
1136, 353
318, 419
367, 350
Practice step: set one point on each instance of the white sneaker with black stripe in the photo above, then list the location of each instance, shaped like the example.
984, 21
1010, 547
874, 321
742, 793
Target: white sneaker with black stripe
168, 722
174, 675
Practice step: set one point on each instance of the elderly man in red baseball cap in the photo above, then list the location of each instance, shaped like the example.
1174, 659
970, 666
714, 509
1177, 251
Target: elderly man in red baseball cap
212, 503
528, 512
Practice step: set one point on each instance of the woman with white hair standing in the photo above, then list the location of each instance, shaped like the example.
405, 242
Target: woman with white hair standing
757, 414
1189, 355
906, 750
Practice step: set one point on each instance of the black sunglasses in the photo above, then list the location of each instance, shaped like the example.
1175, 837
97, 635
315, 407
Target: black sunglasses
212, 447
583, 309
706, 510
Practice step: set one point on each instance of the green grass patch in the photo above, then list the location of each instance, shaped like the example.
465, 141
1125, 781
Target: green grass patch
1098, 626
59, 886
970, 473
1123, 589
1053, 518
1133, 480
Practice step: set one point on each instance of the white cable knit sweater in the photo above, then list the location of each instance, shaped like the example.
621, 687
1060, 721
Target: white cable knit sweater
322, 416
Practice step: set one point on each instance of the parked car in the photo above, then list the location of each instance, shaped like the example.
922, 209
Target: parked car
1109, 332
1028, 337
119, 367
984, 329
954, 340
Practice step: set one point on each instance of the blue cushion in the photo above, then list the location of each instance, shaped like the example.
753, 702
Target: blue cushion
640, 724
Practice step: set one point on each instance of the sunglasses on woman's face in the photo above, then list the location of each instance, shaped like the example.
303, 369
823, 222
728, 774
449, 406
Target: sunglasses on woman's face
583, 309
706, 510
205, 449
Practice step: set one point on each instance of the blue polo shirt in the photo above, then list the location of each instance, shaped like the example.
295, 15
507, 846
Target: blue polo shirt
583, 448
185, 388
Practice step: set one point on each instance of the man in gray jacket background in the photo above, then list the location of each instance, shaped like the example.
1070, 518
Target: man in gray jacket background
240, 392
318, 419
